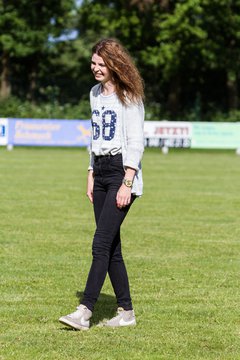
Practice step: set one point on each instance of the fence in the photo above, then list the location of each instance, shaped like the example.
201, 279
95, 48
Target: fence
45, 132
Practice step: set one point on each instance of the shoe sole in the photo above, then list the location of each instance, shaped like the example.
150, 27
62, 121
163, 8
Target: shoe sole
118, 326
72, 324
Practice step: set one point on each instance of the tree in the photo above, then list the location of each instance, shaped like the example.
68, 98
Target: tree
195, 41
176, 52
25, 27
221, 51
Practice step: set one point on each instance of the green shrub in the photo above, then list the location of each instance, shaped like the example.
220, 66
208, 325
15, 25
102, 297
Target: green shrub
15, 108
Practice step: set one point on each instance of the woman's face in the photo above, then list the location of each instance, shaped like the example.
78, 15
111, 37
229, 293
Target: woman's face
99, 69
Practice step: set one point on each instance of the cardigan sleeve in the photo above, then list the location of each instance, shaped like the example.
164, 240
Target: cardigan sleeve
90, 166
134, 132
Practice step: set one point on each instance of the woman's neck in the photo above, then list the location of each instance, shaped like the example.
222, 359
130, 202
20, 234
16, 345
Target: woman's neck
108, 88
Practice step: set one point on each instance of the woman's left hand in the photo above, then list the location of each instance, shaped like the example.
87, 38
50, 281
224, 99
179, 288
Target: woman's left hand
123, 196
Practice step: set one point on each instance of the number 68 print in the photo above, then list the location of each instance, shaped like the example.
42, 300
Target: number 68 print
108, 127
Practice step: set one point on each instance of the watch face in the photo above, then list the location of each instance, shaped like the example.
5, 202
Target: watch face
128, 183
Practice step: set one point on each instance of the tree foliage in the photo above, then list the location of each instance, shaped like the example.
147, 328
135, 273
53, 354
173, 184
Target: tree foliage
25, 27
188, 51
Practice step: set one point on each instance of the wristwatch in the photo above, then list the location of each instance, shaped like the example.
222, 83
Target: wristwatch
128, 182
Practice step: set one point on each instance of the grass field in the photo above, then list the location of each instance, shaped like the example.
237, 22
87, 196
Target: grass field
181, 243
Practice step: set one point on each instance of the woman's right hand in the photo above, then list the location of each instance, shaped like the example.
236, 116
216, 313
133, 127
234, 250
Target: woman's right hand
90, 181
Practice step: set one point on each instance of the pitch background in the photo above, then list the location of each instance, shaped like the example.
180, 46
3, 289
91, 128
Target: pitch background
180, 242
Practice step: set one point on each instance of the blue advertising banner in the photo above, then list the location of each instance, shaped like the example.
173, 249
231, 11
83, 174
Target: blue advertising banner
44, 132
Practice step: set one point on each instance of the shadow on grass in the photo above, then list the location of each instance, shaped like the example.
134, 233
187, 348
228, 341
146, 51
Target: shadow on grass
105, 307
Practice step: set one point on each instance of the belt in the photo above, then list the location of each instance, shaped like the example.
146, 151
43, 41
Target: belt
107, 156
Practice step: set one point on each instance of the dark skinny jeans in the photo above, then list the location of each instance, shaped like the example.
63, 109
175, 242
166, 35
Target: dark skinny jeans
106, 247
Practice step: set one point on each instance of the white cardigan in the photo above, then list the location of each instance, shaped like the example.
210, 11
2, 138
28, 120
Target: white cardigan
132, 137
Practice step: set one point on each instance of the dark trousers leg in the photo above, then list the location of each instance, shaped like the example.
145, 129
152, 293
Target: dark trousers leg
118, 275
107, 256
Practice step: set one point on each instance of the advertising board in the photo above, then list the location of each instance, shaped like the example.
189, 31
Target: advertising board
168, 133
213, 135
44, 132
3, 131
163, 134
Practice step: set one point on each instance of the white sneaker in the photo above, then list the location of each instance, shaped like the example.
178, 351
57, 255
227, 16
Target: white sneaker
123, 318
79, 319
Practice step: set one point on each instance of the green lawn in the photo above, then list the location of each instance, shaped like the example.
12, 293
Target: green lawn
181, 243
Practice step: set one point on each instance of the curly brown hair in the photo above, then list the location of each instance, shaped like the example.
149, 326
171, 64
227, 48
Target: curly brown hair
128, 82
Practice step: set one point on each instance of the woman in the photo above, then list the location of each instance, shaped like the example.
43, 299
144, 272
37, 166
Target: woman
114, 175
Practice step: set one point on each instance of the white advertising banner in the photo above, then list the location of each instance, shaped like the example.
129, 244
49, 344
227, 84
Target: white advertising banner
3, 131
168, 133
